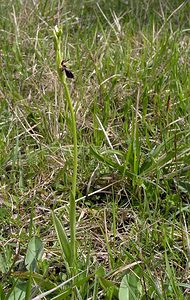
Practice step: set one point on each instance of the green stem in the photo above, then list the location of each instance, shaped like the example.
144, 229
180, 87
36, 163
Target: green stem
72, 211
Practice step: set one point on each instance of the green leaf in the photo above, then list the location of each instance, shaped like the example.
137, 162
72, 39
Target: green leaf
34, 253
44, 283
104, 159
2, 295
184, 186
18, 292
63, 239
100, 272
130, 288
109, 287
3, 265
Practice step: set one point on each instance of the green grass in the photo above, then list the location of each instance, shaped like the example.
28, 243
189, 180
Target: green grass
119, 227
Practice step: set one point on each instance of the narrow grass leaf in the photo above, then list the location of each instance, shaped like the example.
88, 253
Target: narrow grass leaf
173, 284
109, 162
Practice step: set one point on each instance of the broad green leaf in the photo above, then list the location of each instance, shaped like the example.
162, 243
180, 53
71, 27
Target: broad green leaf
63, 239
109, 287
130, 288
34, 253
18, 292
100, 272
44, 283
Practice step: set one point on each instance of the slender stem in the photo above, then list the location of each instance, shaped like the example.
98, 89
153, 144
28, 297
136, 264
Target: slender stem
72, 210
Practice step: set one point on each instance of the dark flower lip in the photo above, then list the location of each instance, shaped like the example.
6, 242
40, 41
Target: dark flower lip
68, 72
